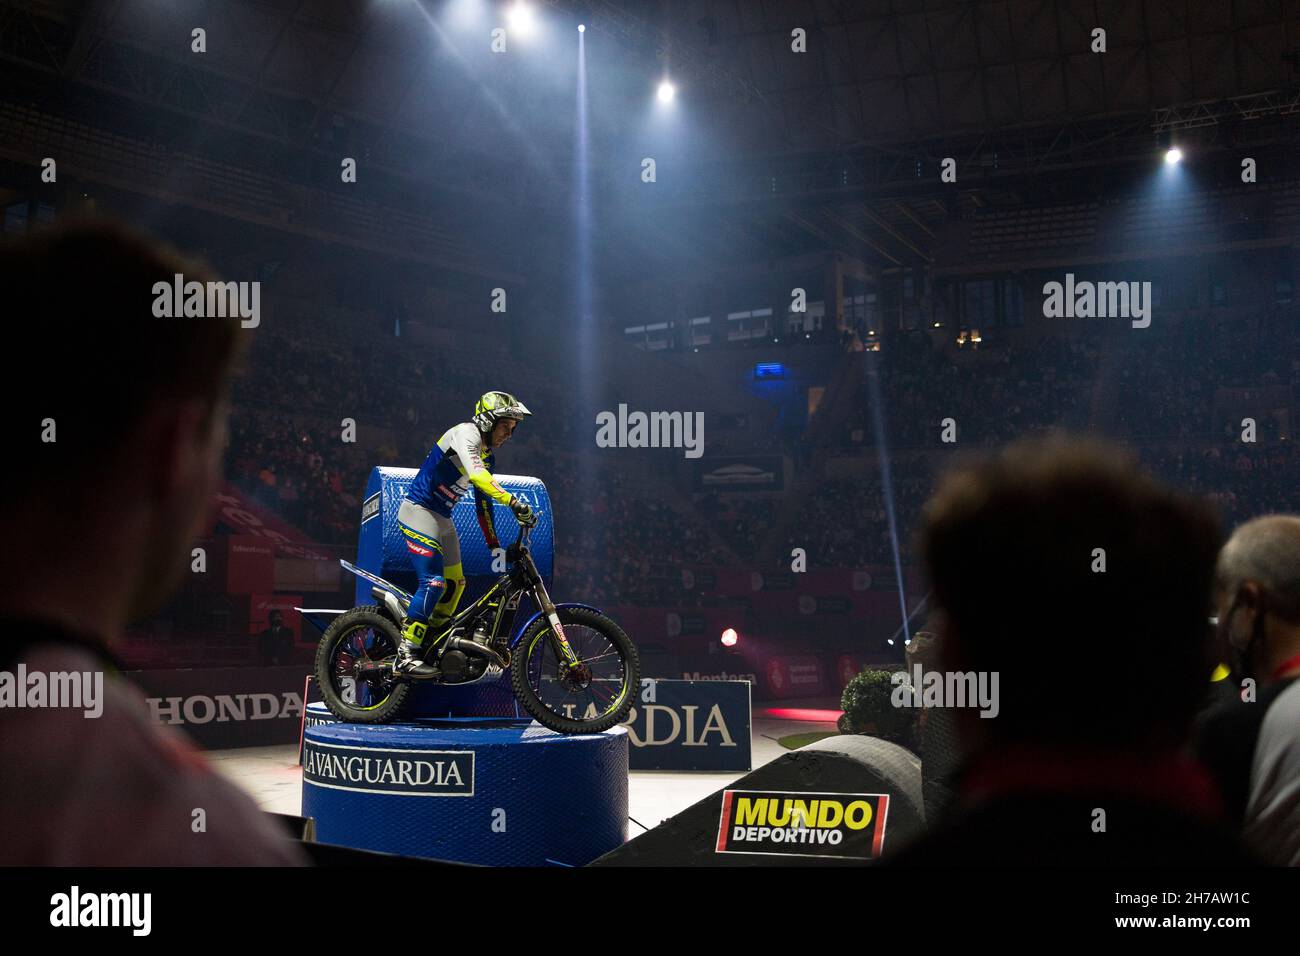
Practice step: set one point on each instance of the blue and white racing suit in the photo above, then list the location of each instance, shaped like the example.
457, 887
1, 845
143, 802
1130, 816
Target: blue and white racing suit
459, 459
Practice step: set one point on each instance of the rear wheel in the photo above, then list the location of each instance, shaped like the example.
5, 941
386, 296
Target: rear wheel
354, 667
588, 697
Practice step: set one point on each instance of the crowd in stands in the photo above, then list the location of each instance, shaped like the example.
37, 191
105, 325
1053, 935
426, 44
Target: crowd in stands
301, 470
1160, 391
844, 522
605, 551
379, 377
741, 522
993, 394
1240, 480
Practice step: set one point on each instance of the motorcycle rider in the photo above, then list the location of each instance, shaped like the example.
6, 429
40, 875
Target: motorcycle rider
463, 456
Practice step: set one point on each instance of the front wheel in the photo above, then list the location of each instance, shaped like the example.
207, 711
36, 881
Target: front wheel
586, 698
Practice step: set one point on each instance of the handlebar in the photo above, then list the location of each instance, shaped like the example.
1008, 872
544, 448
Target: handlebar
526, 529
521, 542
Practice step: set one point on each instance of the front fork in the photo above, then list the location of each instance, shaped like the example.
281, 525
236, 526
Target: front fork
543, 599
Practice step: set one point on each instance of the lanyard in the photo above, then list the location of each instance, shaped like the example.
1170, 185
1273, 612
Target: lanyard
1290, 664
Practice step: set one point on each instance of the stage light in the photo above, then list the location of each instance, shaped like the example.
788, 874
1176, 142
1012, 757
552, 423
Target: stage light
520, 18
730, 638
1174, 155
666, 92
890, 642
582, 28
802, 713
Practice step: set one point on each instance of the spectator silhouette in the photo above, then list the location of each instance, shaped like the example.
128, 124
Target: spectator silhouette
1053, 563
98, 524
275, 644
1252, 744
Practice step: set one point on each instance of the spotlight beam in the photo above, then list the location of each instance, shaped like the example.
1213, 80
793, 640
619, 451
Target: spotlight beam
886, 483
539, 161
584, 277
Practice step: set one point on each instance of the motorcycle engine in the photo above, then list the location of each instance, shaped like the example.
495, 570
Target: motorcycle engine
454, 665
459, 668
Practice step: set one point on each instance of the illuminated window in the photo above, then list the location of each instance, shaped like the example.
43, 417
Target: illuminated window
700, 327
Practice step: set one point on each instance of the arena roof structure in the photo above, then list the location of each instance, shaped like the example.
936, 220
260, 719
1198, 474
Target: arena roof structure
839, 143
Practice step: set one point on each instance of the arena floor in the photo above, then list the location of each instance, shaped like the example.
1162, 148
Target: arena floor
274, 779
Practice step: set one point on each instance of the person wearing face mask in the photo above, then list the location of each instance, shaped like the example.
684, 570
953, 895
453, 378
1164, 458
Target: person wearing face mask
1252, 745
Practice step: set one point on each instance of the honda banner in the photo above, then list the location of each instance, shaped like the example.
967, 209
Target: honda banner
225, 707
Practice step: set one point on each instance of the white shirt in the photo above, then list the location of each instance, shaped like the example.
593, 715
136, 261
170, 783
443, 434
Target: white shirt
1272, 824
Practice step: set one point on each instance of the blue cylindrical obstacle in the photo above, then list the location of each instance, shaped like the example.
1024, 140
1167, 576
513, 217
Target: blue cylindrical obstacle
381, 549
486, 791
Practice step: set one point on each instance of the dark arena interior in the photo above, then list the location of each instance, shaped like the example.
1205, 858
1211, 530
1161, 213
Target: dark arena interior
860, 431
